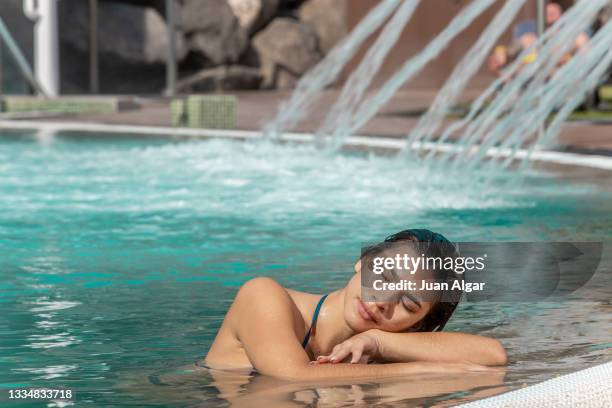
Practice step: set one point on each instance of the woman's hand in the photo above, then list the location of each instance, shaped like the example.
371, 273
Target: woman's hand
361, 348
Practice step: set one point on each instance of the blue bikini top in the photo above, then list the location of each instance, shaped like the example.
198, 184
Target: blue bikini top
314, 321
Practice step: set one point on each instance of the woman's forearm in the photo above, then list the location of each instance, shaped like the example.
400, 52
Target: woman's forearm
314, 372
439, 347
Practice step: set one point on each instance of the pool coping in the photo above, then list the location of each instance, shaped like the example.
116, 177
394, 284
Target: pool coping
585, 388
592, 161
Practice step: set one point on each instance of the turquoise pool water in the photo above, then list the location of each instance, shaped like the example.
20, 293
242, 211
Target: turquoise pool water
120, 256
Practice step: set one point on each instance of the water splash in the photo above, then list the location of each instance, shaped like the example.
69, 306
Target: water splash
460, 77
502, 121
540, 96
370, 106
354, 88
571, 84
323, 74
516, 92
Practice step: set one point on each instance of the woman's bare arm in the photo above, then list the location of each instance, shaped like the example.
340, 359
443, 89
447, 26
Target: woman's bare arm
268, 329
433, 347
441, 347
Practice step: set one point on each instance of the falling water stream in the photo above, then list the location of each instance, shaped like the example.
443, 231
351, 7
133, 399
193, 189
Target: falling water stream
354, 88
314, 82
504, 119
463, 72
511, 113
372, 104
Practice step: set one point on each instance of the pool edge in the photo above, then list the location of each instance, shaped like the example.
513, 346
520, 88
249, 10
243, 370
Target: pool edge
592, 161
586, 388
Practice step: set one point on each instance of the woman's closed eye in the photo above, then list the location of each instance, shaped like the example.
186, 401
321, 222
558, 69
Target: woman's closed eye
410, 305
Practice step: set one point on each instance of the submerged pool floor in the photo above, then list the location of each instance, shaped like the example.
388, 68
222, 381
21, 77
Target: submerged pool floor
121, 255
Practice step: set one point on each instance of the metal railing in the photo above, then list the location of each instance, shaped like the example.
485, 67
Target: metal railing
171, 63
8, 43
22, 63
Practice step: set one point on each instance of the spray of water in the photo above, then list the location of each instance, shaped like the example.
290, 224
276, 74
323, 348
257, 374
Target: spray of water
360, 79
459, 78
567, 88
570, 84
504, 118
353, 121
519, 118
323, 74
486, 124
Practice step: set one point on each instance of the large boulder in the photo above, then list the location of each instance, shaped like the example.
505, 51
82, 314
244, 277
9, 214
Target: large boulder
132, 46
213, 30
136, 35
328, 18
287, 48
254, 14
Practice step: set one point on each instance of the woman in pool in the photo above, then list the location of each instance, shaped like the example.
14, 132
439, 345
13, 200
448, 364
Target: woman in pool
300, 336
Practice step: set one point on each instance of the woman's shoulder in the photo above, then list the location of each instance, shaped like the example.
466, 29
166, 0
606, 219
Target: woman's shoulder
260, 305
261, 285
263, 293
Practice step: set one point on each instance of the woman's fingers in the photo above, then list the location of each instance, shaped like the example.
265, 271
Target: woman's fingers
351, 351
356, 356
323, 359
340, 354
348, 352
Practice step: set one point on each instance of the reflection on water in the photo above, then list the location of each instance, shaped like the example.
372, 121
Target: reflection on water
255, 390
120, 257
49, 373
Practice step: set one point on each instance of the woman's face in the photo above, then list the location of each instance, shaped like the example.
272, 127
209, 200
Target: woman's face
395, 316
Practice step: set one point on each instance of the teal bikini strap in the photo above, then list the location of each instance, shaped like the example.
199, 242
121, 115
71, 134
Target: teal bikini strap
313, 322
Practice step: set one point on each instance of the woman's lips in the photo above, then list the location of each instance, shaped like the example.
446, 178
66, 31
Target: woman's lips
365, 312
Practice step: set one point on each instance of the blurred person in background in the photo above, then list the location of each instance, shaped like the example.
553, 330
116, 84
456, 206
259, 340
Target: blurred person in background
524, 36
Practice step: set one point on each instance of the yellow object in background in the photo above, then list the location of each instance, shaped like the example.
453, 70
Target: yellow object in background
501, 49
529, 58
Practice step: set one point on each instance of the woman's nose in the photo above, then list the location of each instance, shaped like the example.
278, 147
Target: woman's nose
382, 306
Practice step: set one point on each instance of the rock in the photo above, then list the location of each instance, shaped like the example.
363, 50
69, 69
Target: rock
328, 18
213, 30
221, 78
218, 50
254, 14
137, 35
287, 48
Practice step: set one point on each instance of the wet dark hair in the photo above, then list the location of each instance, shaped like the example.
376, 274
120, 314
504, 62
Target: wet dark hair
431, 245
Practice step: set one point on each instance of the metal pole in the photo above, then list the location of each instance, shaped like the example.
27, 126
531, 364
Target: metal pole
541, 22
541, 16
19, 59
94, 82
1, 70
171, 68
46, 43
